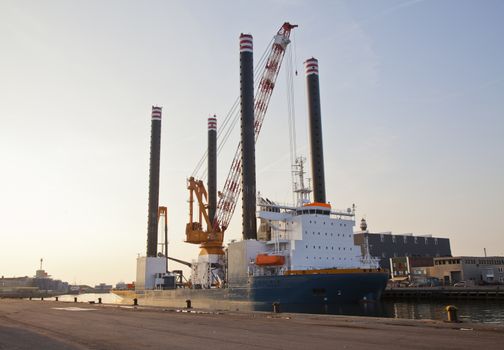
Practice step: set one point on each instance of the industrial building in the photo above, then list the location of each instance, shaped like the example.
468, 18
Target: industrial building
473, 270
449, 270
42, 281
385, 245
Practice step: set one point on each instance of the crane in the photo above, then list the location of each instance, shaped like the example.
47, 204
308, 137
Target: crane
208, 271
232, 187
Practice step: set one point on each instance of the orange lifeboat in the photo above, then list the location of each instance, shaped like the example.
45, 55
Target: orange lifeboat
269, 260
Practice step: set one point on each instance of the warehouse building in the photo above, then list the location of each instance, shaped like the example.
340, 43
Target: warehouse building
385, 245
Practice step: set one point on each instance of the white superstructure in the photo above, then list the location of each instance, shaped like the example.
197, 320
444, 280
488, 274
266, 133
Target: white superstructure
310, 237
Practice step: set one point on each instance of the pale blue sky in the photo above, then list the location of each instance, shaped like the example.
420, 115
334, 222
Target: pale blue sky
412, 108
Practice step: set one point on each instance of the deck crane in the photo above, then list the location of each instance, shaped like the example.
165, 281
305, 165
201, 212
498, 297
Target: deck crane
232, 186
211, 239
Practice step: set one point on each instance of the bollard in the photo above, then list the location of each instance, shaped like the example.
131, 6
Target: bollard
75, 299
188, 303
451, 312
99, 300
30, 298
42, 299
276, 307
135, 302
57, 298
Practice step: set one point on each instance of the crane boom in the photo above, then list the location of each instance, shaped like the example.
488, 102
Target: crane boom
232, 186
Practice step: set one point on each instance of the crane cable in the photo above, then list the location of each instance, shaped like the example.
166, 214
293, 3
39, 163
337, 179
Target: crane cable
291, 117
232, 117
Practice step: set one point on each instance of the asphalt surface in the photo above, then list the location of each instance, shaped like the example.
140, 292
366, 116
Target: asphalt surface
57, 325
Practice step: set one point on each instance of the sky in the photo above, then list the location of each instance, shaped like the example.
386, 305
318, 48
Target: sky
412, 96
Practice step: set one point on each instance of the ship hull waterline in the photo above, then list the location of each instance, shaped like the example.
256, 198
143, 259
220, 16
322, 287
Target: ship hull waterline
294, 293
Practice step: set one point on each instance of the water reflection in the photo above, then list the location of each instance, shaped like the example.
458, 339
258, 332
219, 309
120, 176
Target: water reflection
469, 311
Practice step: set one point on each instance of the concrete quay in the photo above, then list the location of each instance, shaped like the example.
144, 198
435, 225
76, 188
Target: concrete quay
58, 325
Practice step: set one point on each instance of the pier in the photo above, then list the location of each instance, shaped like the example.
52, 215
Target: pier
57, 325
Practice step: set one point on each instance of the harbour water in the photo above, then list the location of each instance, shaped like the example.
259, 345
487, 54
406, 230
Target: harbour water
491, 312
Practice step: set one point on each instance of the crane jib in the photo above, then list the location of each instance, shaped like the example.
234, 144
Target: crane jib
229, 196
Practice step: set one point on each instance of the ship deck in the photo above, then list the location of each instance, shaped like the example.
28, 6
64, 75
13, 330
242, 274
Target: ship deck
57, 325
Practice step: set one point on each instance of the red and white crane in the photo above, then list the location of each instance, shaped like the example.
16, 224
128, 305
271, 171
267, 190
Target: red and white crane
232, 187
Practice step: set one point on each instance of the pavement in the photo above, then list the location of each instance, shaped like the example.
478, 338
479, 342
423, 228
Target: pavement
61, 325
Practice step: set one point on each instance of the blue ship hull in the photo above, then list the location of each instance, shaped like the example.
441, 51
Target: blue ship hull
295, 293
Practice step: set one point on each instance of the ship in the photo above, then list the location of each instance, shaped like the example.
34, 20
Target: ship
302, 255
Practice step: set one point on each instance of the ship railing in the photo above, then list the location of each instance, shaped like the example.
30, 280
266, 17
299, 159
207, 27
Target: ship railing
287, 208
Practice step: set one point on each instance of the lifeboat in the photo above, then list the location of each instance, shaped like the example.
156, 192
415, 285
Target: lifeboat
269, 260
